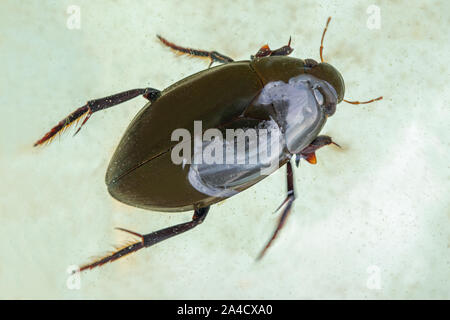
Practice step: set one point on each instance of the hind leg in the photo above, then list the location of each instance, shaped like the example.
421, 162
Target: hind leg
150, 239
96, 105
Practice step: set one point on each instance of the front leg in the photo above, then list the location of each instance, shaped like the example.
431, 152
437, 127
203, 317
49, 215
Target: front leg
309, 153
265, 51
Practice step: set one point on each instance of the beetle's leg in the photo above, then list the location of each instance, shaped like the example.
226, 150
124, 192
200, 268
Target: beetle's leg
323, 36
309, 153
214, 56
150, 239
286, 205
96, 105
265, 51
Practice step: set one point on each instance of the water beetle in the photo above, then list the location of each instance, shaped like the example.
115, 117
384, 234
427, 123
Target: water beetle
270, 89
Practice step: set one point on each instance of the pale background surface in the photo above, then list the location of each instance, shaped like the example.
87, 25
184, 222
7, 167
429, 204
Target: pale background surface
380, 207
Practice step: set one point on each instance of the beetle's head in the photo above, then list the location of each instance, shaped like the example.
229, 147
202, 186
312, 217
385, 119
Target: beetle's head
330, 74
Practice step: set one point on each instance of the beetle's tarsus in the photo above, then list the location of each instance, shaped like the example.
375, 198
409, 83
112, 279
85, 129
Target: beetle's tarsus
287, 204
63, 125
130, 232
115, 255
363, 102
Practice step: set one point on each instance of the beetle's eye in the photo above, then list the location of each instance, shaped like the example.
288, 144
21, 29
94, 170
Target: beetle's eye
310, 63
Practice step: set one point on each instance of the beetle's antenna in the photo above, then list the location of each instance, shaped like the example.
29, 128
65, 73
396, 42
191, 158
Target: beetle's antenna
323, 36
364, 102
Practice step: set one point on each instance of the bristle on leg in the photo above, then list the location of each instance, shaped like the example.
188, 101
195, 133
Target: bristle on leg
96, 105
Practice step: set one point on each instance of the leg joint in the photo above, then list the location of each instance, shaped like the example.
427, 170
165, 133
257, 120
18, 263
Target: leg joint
151, 94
